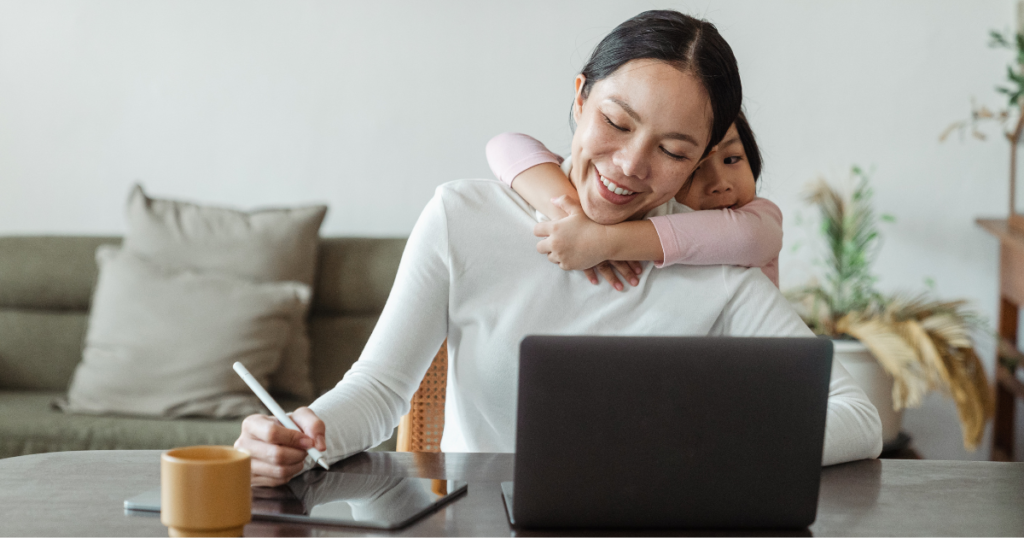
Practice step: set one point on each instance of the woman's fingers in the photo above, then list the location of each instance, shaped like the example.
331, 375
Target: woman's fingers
637, 267
311, 425
608, 273
591, 276
276, 453
269, 430
264, 474
626, 271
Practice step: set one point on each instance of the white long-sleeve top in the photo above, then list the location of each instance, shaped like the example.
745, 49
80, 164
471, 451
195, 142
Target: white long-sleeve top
471, 273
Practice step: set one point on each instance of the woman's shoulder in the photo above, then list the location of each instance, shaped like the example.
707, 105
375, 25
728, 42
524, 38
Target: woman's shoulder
480, 196
472, 188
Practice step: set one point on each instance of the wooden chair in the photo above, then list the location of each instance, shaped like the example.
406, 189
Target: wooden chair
420, 430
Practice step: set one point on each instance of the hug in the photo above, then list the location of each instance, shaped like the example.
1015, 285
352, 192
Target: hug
662, 169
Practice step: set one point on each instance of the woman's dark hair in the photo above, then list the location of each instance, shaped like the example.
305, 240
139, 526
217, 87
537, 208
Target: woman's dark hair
691, 45
749, 144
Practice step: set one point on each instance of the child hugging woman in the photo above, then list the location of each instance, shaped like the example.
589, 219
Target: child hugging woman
729, 224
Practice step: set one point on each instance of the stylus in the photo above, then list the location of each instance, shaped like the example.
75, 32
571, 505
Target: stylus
279, 413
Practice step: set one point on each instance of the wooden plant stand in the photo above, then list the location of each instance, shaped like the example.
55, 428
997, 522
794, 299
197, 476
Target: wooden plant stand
1011, 298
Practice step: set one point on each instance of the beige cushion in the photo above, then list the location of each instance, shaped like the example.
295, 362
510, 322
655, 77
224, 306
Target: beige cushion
263, 245
161, 342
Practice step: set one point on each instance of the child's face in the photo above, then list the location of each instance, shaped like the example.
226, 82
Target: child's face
723, 180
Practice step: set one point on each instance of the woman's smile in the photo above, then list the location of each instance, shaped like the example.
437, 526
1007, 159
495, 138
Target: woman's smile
613, 192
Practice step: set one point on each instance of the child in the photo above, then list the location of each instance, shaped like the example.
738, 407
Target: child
729, 224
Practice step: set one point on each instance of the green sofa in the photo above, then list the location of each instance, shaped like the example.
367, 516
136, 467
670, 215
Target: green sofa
45, 288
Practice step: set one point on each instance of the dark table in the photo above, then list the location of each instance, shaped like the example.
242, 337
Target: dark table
82, 494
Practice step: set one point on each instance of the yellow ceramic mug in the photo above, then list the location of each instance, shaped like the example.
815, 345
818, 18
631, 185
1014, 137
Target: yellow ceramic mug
204, 491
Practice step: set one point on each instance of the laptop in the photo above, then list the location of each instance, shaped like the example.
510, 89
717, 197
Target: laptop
669, 432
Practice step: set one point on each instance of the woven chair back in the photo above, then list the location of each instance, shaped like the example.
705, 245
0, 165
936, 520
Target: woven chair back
420, 430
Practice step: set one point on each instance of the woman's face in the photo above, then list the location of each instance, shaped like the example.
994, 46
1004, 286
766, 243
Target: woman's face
639, 135
723, 180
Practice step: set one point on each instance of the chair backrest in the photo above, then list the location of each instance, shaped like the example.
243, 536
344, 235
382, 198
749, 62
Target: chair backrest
420, 430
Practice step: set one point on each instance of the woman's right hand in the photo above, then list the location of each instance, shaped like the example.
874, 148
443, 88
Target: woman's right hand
277, 453
611, 270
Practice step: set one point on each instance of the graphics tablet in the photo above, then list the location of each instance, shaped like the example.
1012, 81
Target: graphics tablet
331, 498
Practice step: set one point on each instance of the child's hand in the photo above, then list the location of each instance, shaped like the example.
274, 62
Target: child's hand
574, 242
578, 243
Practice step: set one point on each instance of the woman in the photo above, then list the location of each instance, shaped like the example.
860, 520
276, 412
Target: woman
657, 94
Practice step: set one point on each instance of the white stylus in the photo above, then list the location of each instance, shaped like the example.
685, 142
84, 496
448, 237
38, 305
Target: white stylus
279, 413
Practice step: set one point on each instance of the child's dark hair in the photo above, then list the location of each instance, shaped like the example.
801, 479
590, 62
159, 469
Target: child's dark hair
749, 144
691, 45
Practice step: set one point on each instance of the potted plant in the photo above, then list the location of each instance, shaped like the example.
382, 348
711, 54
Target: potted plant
897, 347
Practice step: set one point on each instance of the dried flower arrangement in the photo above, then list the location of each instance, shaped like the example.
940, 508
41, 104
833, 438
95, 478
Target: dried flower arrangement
923, 343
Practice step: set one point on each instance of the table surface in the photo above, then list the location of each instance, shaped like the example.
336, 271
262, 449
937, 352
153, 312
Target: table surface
82, 494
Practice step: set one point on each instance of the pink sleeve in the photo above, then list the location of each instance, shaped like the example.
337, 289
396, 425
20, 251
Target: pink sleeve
509, 154
750, 236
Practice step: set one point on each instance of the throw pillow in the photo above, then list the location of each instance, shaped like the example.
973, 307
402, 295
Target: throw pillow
264, 245
161, 342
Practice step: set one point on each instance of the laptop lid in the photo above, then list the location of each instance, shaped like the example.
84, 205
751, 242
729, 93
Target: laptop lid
670, 431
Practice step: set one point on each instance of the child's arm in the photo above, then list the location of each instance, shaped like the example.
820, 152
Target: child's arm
749, 236
531, 170
524, 164
576, 242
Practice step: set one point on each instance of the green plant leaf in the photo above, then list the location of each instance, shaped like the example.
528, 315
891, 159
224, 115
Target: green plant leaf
996, 39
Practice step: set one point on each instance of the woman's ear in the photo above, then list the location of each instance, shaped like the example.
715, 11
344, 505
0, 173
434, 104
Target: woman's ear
577, 103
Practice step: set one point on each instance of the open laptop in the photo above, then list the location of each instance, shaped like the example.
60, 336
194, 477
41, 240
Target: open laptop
669, 432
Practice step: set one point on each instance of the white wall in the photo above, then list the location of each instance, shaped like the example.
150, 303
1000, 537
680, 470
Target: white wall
369, 105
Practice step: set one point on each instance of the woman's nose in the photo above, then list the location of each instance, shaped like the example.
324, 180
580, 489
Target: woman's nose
632, 161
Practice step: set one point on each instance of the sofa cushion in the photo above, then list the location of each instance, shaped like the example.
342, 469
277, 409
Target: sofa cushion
161, 342
49, 272
263, 245
355, 274
337, 343
39, 349
29, 425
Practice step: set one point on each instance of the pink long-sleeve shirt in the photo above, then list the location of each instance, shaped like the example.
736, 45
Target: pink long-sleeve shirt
748, 236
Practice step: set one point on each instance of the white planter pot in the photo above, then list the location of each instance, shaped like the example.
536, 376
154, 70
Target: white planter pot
876, 383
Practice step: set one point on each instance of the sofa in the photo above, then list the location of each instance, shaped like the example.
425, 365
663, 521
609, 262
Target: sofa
46, 283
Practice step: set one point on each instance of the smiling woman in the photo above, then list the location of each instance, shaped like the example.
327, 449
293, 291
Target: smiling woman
639, 135
657, 94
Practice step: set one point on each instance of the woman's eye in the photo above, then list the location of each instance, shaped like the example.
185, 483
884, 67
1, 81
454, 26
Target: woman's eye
609, 122
674, 156
732, 160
